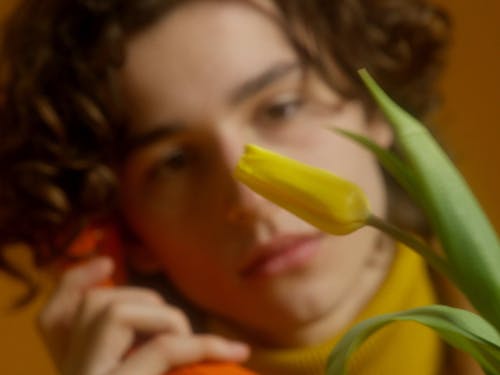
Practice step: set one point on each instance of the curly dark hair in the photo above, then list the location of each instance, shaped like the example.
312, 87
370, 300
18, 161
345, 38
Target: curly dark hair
61, 125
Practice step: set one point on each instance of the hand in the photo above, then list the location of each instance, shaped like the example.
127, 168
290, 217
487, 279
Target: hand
93, 330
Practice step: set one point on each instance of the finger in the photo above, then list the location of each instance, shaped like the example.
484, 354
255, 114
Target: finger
104, 304
57, 315
148, 319
101, 345
139, 310
165, 352
72, 286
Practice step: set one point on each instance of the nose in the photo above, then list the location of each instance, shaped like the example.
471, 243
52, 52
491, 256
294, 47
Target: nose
244, 206
251, 213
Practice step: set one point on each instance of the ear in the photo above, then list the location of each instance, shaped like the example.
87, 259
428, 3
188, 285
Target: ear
142, 259
379, 130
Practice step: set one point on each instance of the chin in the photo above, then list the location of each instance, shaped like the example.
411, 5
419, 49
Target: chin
292, 311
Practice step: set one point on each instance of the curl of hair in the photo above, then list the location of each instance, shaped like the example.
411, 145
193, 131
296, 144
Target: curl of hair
60, 116
400, 42
60, 121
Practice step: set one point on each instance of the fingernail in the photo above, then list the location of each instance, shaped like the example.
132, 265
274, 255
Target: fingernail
101, 265
239, 349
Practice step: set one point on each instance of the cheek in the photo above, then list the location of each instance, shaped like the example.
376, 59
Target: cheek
345, 158
180, 219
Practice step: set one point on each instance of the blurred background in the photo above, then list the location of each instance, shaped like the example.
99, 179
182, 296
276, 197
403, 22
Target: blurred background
469, 127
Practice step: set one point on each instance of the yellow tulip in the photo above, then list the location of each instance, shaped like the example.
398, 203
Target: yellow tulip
326, 201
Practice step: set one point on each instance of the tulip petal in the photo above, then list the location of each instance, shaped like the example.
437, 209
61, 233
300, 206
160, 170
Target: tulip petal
328, 202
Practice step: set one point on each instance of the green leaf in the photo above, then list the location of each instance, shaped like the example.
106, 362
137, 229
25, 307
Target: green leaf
392, 164
400, 171
462, 329
469, 241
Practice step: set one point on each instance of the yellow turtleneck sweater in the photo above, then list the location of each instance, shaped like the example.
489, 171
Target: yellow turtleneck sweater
402, 348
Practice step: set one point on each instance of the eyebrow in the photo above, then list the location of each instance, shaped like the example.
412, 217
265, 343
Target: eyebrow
261, 81
161, 131
245, 90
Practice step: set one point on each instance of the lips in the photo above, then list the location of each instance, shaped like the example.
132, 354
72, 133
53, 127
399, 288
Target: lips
283, 253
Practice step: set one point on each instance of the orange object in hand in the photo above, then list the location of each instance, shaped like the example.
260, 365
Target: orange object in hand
212, 369
99, 239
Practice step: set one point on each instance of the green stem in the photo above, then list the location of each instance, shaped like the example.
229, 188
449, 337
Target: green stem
413, 242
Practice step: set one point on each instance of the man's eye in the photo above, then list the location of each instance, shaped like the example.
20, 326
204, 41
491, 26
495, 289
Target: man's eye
281, 110
174, 162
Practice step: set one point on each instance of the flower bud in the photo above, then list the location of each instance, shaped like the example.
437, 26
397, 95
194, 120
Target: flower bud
326, 201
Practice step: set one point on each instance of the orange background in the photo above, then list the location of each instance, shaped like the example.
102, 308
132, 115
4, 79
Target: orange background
469, 127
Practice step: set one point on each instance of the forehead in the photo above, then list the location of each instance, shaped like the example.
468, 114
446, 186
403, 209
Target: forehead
205, 35
202, 49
